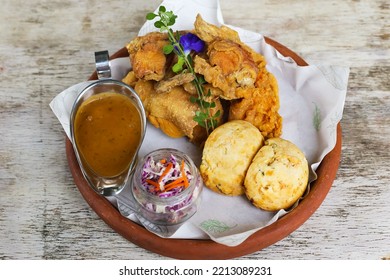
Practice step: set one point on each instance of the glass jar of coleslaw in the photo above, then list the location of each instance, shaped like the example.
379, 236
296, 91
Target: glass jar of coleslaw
166, 187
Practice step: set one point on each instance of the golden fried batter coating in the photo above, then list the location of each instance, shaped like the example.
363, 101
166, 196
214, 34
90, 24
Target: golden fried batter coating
177, 80
172, 111
130, 79
209, 32
147, 57
260, 106
229, 67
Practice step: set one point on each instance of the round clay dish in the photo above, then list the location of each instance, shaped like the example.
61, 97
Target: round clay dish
208, 249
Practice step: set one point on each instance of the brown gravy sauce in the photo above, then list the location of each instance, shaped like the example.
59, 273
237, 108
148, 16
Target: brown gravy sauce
107, 132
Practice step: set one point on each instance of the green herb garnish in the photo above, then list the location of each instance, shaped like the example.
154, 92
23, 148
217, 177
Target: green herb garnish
182, 45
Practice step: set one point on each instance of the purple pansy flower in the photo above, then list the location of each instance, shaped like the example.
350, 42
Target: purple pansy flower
191, 42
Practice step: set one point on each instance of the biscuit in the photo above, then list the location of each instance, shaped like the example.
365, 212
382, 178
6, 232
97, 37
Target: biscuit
278, 175
227, 153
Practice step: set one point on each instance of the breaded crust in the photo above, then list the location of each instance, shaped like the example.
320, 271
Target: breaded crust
227, 153
278, 175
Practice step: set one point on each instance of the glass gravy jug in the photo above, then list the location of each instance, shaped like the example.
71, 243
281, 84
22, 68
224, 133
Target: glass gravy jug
107, 126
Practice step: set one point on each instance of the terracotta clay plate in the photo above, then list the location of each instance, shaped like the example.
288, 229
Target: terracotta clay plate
208, 249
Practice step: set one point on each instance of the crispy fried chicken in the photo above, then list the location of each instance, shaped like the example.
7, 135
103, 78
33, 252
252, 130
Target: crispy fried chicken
231, 69
147, 57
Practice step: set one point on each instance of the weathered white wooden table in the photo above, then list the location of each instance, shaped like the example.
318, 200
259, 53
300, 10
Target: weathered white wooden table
46, 46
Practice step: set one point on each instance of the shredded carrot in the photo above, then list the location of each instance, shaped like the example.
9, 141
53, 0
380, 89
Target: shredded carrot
153, 183
177, 181
167, 169
183, 174
180, 184
182, 181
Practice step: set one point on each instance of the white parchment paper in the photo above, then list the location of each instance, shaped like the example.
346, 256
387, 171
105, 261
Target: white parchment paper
311, 104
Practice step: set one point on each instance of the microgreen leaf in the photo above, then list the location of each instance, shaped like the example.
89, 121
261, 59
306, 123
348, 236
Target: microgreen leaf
167, 49
193, 99
206, 104
151, 16
172, 20
178, 66
158, 24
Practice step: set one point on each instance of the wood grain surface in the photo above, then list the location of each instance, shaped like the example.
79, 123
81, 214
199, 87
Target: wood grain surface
47, 46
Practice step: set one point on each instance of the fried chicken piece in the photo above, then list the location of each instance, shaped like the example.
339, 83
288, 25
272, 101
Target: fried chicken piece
207, 88
147, 93
229, 67
177, 80
229, 63
147, 57
172, 111
241, 74
260, 106
209, 32
130, 79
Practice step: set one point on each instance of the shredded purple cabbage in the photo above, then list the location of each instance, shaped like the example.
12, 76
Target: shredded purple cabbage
152, 170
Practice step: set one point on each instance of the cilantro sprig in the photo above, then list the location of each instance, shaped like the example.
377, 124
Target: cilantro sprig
182, 45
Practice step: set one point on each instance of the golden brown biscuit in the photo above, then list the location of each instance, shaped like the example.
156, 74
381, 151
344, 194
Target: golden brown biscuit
227, 153
278, 175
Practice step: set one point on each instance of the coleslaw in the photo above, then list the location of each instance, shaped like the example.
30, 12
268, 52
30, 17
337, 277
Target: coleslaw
165, 177
167, 186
